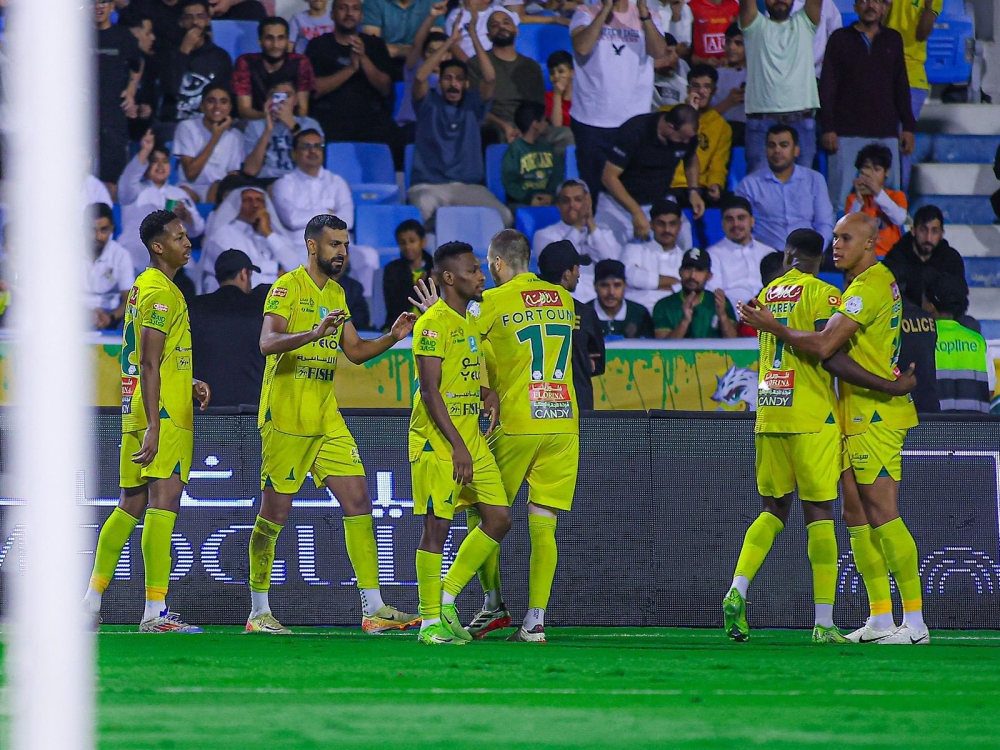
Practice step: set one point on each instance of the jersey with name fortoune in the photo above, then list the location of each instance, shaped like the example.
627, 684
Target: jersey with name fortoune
873, 301
527, 329
444, 334
155, 302
298, 395
794, 393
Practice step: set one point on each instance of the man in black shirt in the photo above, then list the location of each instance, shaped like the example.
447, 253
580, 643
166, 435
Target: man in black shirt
923, 253
238, 10
164, 14
917, 341
559, 263
118, 70
354, 90
225, 332
188, 69
641, 168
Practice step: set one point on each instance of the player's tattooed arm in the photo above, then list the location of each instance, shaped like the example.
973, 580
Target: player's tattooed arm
846, 369
152, 343
429, 376
360, 350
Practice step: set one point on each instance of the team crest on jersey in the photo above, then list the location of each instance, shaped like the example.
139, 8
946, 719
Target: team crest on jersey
541, 298
895, 291
784, 293
854, 305
473, 346
323, 311
133, 296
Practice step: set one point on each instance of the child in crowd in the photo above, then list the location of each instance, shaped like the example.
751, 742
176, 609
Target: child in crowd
530, 170
413, 264
309, 24
559, 100
870, 196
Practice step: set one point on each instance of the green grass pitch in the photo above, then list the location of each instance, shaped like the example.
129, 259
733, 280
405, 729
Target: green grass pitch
587, 687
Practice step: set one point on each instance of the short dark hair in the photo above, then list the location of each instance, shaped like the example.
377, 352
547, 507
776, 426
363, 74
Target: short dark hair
132, 18
411, 225
780, 128
317, 224
771, 266
302, 134
453, 63
927, 214
670, 39
702, 70
877, 153
664, 207
736, 201
948, 293
733, 31
271, 21
160, 148
559, 57
101, 211
434, 35
187, 3
216, 86
513, 247
527, 114
283, 82
451, 250
806, 242
154, 226
681, 115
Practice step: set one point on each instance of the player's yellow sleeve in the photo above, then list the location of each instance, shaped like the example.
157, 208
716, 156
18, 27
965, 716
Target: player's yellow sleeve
860, 303
280, 298
430, 338
158, 309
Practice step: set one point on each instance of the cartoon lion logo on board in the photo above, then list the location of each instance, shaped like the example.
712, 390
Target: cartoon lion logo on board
737, 390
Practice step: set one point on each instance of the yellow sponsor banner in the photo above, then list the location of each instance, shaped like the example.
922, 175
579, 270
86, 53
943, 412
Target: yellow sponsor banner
640, 375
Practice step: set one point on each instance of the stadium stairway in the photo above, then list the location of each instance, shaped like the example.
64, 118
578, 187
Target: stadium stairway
953, 170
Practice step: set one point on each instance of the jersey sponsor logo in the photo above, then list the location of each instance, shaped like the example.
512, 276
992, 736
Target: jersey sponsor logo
429, 333
541, 298
304, 372
272, 305
160, 307
460, 409
158, 320
133, 296
854, 305
784, 293
714, 43
550, 401
279, 291
895, 291
777, 389
129, 385
833, 300
184, 362
426, 345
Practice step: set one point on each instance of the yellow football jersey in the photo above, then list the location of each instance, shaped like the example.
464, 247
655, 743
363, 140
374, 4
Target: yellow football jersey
443, 333
873, 301
527, 325
794, 393
904, 17
156, 302
298, 393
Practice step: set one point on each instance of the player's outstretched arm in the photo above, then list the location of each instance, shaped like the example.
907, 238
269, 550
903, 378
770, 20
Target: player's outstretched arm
429, 375
844, 368
152, 343
821, 344
360, 350
274, 338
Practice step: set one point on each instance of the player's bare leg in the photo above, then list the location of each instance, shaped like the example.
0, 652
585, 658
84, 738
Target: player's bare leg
541, 572
880, 501
870, 563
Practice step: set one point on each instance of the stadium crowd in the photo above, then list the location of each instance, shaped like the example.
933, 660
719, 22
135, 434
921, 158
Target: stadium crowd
652, 98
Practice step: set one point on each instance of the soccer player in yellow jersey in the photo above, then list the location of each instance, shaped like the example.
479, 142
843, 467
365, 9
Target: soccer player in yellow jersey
875, 425
306, 326
157, 423
798, 437
451, 464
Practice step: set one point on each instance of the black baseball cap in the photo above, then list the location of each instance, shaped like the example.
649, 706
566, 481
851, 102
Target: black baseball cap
697, 258
232, 262
560, 256
609, 269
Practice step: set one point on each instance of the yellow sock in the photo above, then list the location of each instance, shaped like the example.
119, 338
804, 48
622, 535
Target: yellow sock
822, 549
478, 546
544, 557
114, 534
874, 570
157, 528
263, 540
901, 556
429, 584
757, 543
489, 571
360, 537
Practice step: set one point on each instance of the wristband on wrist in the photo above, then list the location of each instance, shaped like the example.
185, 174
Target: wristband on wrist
645, 18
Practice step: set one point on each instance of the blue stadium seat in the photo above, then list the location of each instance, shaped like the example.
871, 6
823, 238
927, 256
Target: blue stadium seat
116, 212
368, 169
408, 164
822, 163
375, 226
205, 209
236, 37
708, 229
494, 180
737, 167
959, 209
572, 172
923, 148
983, 271
539, 40
848, 18
529, 220
834, 278
473, 224
844, 6
964, 149
991, 329
946, 61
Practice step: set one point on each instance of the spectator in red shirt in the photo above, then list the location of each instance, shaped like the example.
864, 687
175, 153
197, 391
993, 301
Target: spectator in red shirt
256, 73
559, 100
711, 19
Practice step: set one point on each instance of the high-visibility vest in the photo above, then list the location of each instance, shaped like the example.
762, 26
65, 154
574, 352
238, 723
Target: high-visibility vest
961, 362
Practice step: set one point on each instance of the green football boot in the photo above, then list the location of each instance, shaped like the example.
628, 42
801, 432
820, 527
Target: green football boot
827, 635
439, 634
734, 611
449, 616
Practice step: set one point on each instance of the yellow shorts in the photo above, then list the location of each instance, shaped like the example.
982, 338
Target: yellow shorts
548, 462
286, 459
173, 457
876, 452
434, 487
812, 461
